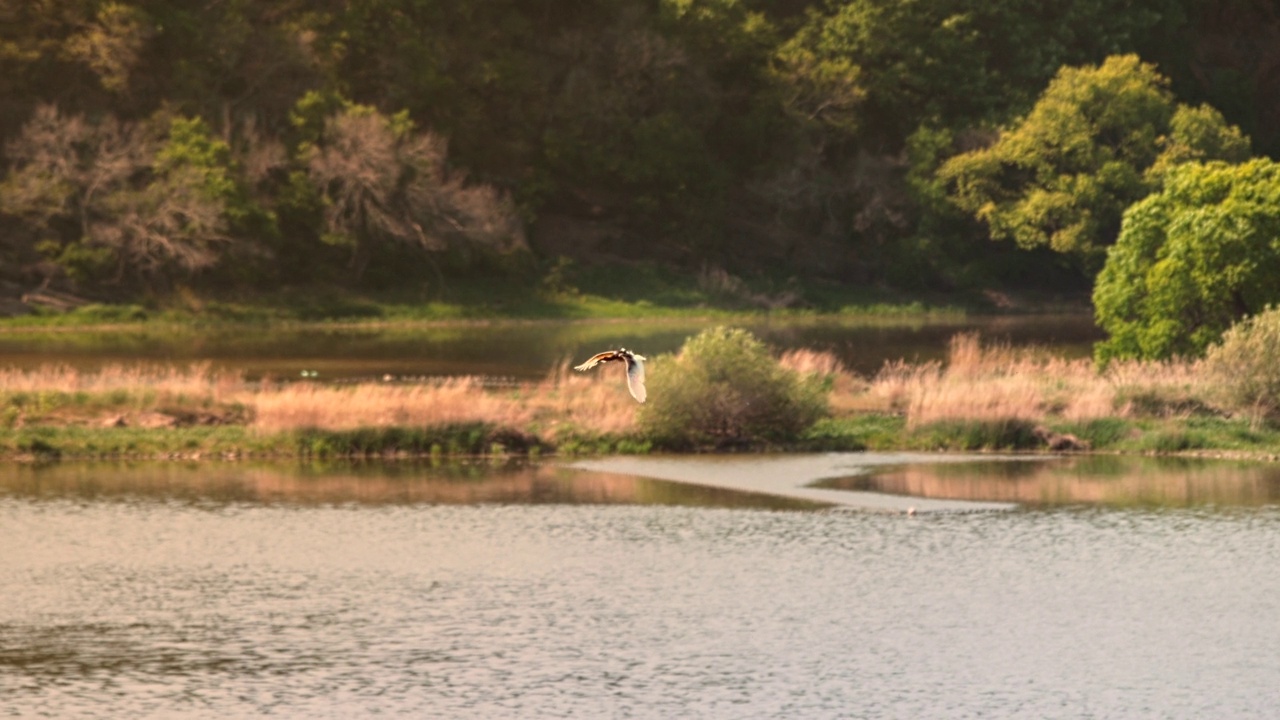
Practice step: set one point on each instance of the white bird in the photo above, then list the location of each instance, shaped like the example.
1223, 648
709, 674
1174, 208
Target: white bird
635, 368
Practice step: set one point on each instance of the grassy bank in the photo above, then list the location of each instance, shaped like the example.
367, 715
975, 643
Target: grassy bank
598, 293
982, 398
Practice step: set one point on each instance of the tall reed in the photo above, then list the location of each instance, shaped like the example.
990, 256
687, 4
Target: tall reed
998, 383
594, 403
333, 407
977, 382
198, 379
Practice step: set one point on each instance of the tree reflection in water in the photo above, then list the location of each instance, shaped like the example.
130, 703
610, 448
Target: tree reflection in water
1096, 480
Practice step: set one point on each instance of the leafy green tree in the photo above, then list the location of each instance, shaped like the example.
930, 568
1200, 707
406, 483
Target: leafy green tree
893, 65
33, 55
1198, 134
1191, 260
111, 46
821, 87
1063, 176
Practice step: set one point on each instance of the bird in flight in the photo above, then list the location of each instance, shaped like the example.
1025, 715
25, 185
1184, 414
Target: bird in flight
635, 368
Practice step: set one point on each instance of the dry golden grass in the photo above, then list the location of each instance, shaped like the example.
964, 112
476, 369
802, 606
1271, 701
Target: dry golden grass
564, 400
380, 405
811, 362
998, 383
976, 383
848, 390
596, 401
197, 380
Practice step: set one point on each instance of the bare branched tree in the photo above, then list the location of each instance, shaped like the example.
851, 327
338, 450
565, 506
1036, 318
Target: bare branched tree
97, 186
382, 182
169, 222
63, 166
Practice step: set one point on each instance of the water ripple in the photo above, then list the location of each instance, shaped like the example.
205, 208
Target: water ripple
130, 607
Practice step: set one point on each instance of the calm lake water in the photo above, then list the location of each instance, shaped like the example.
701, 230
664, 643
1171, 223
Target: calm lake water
523, 350
1114, 588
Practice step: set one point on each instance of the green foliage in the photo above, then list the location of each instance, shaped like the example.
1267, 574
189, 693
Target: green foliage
308, 115
822, 88
1198, 134
852, 434
891, 66
456, 439
79, 260
194, 155
719, 132
590, 444
111, 45
1191, 260
190, 144
1099, 433
53, 443
1063, 176
1244, 367
725, 390
1172, 440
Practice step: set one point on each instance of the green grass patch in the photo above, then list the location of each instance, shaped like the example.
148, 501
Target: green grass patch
1171, 440
602, 445
975, 435
1100, 433
559, 292
50, 442
435, 441
1163, 435
854, 433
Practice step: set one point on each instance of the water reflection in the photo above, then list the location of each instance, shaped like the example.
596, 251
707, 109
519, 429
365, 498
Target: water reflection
873, 481
1095, 480
376, 483
524, 350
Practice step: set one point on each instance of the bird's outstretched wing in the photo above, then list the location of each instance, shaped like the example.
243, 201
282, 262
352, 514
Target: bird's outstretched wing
635, 377
596, 359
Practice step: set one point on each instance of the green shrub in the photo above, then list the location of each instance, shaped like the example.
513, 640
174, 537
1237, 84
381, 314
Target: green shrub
724, 389
1243, 368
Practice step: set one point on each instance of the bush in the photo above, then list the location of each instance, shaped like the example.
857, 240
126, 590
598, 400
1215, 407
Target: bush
724, 389
1190, 261
1243, 368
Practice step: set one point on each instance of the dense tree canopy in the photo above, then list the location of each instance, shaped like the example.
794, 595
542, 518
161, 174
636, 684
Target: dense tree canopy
1191, 260
300, 140
1096, 141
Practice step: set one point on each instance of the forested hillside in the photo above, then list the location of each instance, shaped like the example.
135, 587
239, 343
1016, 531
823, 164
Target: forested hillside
934, 143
